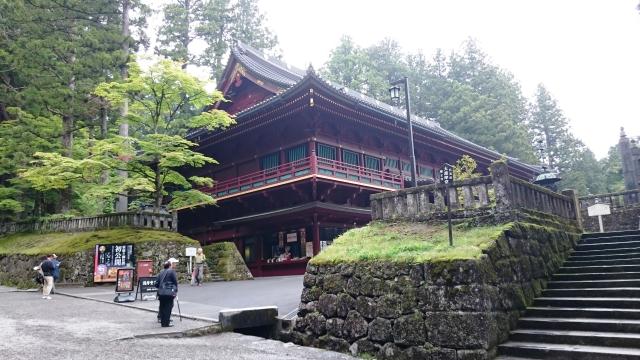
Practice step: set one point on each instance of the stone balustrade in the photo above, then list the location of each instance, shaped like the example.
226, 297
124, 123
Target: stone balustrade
148, 220
498, 193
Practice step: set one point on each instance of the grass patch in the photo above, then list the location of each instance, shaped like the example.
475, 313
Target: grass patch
68, 243
409, 243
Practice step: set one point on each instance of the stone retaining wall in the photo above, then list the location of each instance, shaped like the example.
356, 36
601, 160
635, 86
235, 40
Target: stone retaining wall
225, 261
444, 310
77, 268
619, 220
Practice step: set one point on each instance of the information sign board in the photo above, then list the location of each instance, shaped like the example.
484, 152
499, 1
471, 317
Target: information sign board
108, 259
190, 251
124, 280
599, 209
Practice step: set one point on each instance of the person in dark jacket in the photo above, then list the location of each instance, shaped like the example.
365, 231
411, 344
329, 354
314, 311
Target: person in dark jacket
47, 268
56, 271
167, 278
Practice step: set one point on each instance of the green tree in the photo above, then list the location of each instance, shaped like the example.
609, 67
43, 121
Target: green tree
465, 93
611, 167
162, 101
215, 22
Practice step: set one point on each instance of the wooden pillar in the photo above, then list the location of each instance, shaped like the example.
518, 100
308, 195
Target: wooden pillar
316, 235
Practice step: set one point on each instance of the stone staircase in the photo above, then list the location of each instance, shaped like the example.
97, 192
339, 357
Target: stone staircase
591, 308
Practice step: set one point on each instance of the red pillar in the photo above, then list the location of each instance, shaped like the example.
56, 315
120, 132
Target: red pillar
316, 235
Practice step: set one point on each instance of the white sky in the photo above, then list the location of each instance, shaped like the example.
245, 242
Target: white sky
585, 52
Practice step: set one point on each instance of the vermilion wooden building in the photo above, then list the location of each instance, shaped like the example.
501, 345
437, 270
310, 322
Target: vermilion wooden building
298, 167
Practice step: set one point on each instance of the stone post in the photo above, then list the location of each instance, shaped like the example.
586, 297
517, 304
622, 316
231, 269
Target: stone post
174, 221
502, 186
576, 204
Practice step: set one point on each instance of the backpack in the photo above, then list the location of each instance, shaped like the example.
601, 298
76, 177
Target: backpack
38, 278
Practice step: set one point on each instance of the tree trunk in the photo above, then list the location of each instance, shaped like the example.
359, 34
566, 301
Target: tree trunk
185, 36
3, 112
122, 203
158, 193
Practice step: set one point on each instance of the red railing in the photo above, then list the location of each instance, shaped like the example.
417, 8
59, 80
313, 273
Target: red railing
303, 167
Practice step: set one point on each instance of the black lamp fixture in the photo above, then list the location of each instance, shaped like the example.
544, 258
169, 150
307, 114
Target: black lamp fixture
394, 92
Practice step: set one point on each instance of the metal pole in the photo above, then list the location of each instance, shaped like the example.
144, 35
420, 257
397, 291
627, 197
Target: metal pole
446, 189
412, 153
600, 222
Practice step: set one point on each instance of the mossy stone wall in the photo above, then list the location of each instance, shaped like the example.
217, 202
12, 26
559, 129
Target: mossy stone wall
225, 261
453, 310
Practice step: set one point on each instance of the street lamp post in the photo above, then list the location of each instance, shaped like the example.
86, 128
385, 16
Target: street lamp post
394, 91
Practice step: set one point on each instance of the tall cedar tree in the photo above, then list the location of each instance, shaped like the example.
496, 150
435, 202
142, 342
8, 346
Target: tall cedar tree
465, 93
215, 22
57, 52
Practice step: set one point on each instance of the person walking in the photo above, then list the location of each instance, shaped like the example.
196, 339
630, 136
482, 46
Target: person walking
56, 272
167, 284
198, 270
47, 270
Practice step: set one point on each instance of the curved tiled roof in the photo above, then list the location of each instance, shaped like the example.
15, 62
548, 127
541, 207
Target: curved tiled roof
277, 71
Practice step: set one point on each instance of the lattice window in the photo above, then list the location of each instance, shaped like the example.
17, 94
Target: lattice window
372, 163
270, 161
297, 153
350, 157
327, 151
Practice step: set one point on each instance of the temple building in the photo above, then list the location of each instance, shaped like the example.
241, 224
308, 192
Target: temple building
630, 157
299, 166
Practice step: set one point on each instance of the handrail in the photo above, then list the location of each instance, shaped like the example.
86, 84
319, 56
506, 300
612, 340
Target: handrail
311, 165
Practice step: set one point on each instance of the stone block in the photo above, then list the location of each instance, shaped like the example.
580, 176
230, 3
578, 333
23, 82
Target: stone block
311, 294
334, 327
461, 330
474, 355
327, 305
380, 330
364, 346
409, 330
248, 317
367, 307
333, 283
344, 303
355, 326
333, 343
391, 351
309, 280
316, 323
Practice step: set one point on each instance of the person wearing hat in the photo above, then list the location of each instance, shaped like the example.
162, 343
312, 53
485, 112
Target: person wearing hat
167, 284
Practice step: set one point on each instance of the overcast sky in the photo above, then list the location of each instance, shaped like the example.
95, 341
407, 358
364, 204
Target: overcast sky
585, 52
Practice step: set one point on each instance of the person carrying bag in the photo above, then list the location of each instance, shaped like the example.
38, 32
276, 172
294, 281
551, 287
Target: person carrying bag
167, 284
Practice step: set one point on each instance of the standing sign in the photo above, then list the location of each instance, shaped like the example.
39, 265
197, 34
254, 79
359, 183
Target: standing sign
190, 252
446, 177
108, 259
599, 210
147, 288
124, 280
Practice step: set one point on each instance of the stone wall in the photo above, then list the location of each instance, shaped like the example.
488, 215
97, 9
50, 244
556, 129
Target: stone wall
224, 260
619, 220
442, 310
77, 268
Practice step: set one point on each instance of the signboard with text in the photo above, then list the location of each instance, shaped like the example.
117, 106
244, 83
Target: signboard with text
124, 280
108, 259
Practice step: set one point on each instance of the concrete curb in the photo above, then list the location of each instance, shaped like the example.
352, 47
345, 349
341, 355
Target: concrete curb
201, 331
190, 317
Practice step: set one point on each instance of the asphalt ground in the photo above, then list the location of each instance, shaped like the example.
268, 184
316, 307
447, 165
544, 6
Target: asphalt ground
206, 301
73, 328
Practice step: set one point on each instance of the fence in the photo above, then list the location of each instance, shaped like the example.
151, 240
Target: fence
499, 192
625, 211
148, 220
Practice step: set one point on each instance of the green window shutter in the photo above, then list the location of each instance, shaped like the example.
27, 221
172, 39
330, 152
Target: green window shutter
297, 153
326, 151
391, 163
426, 171
406, 167
371, 162
270, 161
350, 157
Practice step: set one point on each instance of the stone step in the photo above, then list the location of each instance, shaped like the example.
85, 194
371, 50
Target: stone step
609, 246
620, 256
588, 302
580, 324
537, 350
578, 263
598, 269
591, 284
620, 251
631, 275
610, 233
610, 239
621, 292
592, 338
583, 312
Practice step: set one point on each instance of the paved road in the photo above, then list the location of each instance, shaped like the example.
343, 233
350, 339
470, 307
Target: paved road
207, 301
71, 328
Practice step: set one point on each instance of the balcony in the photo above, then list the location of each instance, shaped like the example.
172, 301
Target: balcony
308, 167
